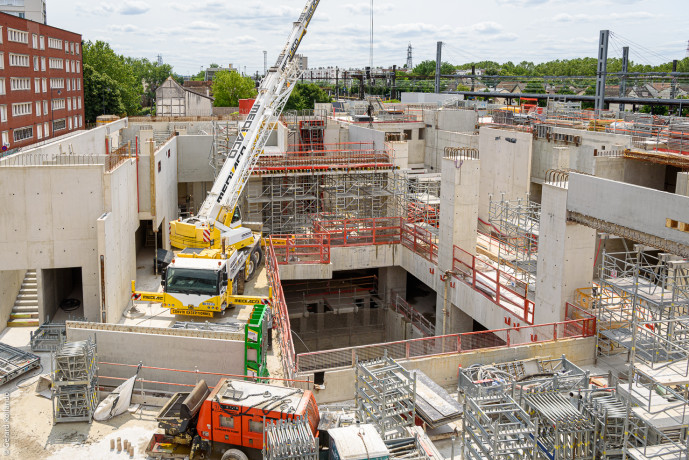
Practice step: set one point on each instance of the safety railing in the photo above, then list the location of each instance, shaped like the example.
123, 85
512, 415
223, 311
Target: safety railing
280, 314
503, 289
587, 325
322, 160
399, 305
360, 232
420, 241
311, 248
440, 345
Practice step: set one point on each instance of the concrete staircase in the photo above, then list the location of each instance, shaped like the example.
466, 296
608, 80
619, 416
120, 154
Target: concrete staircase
25, 310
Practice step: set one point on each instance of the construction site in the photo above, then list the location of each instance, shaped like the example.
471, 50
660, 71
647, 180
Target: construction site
413, 280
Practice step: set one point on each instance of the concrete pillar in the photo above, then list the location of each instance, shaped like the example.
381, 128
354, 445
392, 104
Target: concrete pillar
392, 279
682, 184
566, 252
459, 189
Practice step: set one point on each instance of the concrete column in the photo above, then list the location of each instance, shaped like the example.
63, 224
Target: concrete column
392, 279
459, 189
566, 252
682, 184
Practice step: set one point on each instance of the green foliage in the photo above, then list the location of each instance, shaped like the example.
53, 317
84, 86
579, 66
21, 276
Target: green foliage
230, 87
427, 68
654, 109
101, 95
304, 95
150, 74
201, 76
392, 101
122, 80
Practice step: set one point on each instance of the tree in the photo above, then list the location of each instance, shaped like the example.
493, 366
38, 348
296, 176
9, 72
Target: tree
101, 95
105, 61
150, 74
230, 87
304, 95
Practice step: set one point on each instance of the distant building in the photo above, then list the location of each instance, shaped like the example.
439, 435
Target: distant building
33, 10
211, 71
41, 93
173, 100
302, 61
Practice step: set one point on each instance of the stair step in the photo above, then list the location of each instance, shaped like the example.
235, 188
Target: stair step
14, 316
33, 286
28, 291
25, 303
22, 296
23, 323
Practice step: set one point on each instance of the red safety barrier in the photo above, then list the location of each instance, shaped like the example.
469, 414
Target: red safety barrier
360, 232
445, 344
301, 249
502, 288
317, 160
420, 241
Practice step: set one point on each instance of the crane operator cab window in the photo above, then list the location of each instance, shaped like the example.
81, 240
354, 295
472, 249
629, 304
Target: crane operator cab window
236, 218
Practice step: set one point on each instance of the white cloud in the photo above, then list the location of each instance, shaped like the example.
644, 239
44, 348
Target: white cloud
583, 18
488, 28
131, 7
204, 25
123, 28
365, 8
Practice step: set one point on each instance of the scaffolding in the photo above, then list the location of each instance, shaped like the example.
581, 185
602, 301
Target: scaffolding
74, 382
416, 197
385, 395
497, 428
645, 286
289, 439
515, 224
224, 135
306, 128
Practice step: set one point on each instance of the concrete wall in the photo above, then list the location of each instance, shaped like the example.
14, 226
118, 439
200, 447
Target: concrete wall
365, 134
339, 384
166, 208
197, 105
193, 163
682, 184
161, 348
412, 98
638, 208
505, 166
116, 239
48, 220
10, 283
437, 140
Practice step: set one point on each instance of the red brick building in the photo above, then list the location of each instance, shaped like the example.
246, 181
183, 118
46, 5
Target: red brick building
41, 84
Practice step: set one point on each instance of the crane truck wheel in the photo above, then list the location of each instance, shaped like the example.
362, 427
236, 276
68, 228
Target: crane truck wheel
234, 454
254, 261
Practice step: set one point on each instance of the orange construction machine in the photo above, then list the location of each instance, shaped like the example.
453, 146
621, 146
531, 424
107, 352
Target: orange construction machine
228, 420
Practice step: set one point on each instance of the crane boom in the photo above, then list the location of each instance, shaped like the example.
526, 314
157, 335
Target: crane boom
273, 93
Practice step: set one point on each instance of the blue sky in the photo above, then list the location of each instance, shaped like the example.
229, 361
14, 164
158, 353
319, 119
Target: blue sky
190, 35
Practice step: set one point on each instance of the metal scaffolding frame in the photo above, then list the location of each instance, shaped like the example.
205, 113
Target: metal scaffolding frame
651, 289
224, 135
74, 381
416, 197
497, 427
385, 395
515, 224
289, 439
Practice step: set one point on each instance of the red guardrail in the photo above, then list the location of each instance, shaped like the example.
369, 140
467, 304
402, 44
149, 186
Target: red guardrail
311, 248
360, 232
322, 160
280, 314
502, 288
421, 241
581, 321
446, 344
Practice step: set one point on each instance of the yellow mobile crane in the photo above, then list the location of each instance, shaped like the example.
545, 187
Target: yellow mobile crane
218, 253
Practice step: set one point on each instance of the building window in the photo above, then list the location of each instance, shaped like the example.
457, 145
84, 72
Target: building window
34, 41
39, 131
42, 41
2, 86
0, 34
57, 83
69, 105
70, 122
78, 67
79, 83
38, 108
55, 63
19, 60
68, 85
45, 107
72, 66
44, 82
81, 121
42, 64
17, 83
22, 108
79, 100
66, 47
76, 48
46, 129
18, 36
21, 134
37, 85
2, 58
54, 43
58, 104
3, 113
5, 138
71, 48
35, 64
59, 125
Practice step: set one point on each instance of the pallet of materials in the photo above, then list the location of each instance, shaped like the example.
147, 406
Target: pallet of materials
434, 405
15, 362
